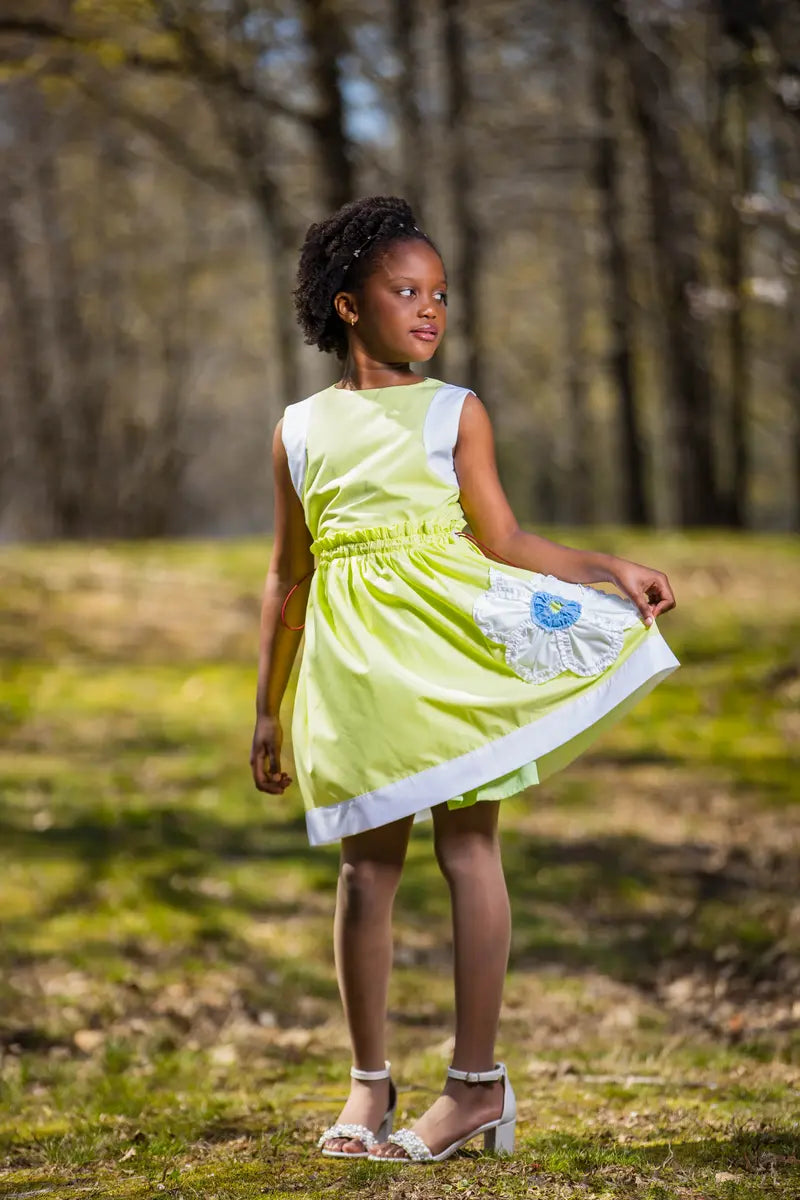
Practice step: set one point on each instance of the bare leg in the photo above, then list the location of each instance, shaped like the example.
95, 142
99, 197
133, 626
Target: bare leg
370, 868
468, 853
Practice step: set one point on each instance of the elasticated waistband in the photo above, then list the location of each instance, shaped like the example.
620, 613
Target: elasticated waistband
384, 538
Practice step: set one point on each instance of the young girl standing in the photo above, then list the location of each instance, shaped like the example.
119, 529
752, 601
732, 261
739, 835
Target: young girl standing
436, 679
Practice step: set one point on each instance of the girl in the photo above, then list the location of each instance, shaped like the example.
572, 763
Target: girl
434, 682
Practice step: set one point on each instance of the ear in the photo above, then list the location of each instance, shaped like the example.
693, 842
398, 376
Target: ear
345, 305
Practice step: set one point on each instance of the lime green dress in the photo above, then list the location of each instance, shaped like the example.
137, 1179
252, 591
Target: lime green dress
431, 673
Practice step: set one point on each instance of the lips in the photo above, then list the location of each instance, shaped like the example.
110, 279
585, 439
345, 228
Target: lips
426, 333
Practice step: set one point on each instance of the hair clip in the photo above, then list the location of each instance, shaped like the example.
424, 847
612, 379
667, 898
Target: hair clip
363, 244
372, 235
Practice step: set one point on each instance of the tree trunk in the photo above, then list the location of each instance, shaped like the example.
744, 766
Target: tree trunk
37, 423
323, 24
413, 147
793, 392
244, 126
469, 235
164, 460
576, 476
575, 504
676, 249
83, 393
245, 132
731, 145
618, 274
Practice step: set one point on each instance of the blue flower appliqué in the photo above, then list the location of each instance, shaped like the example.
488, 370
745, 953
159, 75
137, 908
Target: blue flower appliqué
553, 612
546, 632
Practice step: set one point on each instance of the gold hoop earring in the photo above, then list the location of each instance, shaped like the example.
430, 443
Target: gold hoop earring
352, 320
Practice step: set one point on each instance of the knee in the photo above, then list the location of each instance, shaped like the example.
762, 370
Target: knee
368, 880
466, 859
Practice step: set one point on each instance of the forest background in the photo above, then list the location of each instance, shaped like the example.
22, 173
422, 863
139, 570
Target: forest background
615, 189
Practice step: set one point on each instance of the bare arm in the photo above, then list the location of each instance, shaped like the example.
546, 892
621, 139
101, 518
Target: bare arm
489, 513
291, 559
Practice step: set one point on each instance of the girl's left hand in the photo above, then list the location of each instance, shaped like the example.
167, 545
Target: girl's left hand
265, 756
649, 590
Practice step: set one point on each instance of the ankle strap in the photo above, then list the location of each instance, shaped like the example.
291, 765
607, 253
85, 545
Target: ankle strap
358, 1073
497, 1072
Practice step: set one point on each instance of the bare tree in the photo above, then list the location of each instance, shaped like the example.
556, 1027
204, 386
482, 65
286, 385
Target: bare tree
32, 411
411, 125
731, 148
458, 153
574, 294
676, 246
618, 268
763, 53
325, 31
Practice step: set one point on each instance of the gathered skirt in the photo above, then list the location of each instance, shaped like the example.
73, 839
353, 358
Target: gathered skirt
431, 673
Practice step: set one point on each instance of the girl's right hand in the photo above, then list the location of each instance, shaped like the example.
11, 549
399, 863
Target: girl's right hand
265, 756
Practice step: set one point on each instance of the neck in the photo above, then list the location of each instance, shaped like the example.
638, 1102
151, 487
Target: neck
362, 376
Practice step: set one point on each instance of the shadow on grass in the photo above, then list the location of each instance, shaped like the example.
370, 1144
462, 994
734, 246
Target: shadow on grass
749, 1151
624, 905
166, 870
618, 904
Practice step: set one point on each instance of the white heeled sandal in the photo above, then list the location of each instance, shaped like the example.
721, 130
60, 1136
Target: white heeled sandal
497, 1135
350, 1129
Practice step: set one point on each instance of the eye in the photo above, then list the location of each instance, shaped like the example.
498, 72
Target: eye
441, 295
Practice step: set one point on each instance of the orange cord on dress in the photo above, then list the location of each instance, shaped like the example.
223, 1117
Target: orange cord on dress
471, 537
294, 628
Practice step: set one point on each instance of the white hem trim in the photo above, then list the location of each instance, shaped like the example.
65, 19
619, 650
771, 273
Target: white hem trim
651, 662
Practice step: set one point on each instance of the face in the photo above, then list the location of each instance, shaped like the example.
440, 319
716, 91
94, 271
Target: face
401, 308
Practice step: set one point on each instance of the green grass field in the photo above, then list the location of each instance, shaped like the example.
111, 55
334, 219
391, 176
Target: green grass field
170, 1024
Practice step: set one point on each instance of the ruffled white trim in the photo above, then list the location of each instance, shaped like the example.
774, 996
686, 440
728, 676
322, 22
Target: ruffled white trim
588, 646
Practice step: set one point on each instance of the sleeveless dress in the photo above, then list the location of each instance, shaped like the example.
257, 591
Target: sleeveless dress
430, 672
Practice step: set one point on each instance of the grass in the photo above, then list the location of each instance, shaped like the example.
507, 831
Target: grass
169, 1018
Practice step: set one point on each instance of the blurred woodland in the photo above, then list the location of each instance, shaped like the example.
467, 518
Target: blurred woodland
615, 187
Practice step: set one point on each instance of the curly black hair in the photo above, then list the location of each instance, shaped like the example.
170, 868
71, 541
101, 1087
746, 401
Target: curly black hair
339, 252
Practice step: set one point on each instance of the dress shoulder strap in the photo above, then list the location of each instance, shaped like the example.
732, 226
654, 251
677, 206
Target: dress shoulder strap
296, 418
440, 431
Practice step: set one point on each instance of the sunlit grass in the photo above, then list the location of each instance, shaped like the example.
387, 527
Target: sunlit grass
169, 1016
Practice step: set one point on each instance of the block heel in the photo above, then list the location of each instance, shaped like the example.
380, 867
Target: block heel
500, 1137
